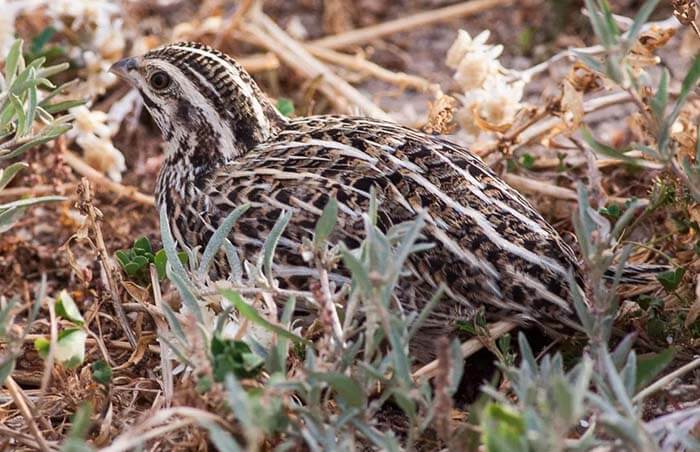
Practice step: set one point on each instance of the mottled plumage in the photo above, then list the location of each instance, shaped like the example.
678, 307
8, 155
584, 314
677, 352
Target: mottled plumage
227, 145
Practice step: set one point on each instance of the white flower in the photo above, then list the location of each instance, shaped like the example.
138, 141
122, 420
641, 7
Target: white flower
477, 67
490, 108
502, 101
93, 133
466, 115
465, 44
101, 154
90, 122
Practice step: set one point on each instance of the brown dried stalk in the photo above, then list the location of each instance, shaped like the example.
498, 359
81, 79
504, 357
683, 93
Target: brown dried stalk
19, 399
468, 348
102, 181
367, 34
270, 35
87, 208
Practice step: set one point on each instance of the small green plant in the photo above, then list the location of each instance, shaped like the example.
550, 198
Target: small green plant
136, 260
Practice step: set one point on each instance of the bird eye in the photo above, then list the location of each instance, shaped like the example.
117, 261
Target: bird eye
160, 80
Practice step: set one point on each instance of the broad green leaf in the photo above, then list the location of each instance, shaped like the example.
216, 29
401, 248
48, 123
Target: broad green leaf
66, 308
670, 280
347, 389
159, 260
70, 347
70, 350
101, 372
143, 244
285, 106
648, 367
40, 40
233, 356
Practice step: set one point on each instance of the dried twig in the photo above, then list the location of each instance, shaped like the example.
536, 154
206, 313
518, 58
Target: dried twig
661, 382
364, 35
48, 364
266, 31
362, 65
94, 215
18, 398
468, 348
165, 364
104, 182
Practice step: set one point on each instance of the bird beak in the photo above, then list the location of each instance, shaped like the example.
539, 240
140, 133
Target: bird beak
124, 68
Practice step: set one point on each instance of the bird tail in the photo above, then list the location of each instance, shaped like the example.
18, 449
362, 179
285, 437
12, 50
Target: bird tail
638, 273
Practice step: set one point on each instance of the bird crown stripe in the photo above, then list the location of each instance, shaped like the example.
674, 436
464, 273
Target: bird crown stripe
234, 74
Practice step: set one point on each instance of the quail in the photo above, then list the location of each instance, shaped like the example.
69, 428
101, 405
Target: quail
227, 145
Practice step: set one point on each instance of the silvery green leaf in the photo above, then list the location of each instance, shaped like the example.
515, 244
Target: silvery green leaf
18, 107
629, 373
217, 239
660, 100
234, 262
8, 173
615, 381
7, 366
9, 217
12, 62
426, 310
220, 438
326, 223
44, 137
457, 370
61, 106
358, 271
250, 313
619, 355
30, 202
239, 402
526, 352
48, 71
31, 111
169, 244
639, 20
272, 240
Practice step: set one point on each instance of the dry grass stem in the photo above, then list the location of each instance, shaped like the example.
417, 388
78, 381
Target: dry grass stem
362, 65
21, 404
88, 208
367, 34
296, 56
103, 182
468, 348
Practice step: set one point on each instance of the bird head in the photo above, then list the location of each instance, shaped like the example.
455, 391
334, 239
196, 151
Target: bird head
199, 96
